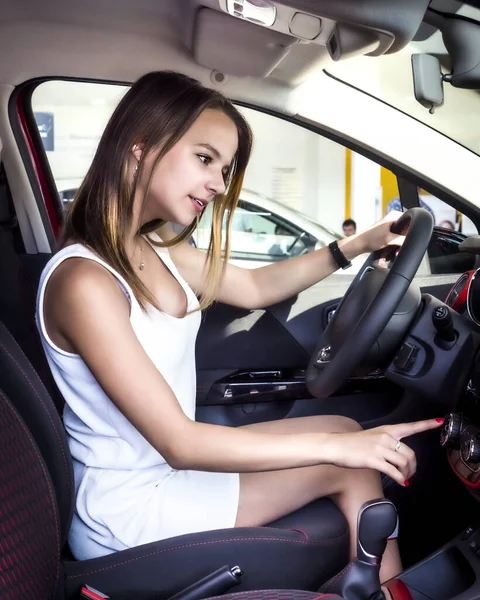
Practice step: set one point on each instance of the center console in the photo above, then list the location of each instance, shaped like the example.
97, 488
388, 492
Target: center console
453, 572
461, 437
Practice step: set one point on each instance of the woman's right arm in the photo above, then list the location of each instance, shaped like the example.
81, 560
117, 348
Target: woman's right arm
85, 305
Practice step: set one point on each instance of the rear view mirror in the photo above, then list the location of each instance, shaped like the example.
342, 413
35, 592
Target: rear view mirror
460, 36
427, 81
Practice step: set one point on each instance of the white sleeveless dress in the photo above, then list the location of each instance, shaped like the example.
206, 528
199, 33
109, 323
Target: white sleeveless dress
126, 493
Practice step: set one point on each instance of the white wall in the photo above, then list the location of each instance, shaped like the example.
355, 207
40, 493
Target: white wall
366, 191
297, 167
77, 130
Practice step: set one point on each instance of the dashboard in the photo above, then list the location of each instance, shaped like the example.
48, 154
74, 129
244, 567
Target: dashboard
458, 296
460, 433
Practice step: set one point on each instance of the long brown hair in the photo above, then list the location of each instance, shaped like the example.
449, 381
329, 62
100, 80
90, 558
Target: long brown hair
156, 112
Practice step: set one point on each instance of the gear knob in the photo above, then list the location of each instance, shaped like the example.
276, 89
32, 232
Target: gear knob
377, 520
360, 580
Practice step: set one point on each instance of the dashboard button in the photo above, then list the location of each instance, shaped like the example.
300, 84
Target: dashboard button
405, 358
470, 446
451, 430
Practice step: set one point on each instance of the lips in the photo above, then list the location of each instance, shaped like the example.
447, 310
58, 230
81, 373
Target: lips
201, 203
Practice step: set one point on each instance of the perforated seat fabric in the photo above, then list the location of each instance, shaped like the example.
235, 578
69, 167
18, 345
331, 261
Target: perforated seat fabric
20, 382
29, 530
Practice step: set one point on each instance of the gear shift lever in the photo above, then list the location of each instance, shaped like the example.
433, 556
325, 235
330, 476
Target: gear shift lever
360, 580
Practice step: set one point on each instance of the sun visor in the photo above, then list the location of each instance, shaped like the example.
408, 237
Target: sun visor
261, 37
392, 22
237, 47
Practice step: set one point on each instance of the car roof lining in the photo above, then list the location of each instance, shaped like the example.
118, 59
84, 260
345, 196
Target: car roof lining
172, 35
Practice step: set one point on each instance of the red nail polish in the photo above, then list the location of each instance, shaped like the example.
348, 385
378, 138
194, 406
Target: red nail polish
440, 420
406, 483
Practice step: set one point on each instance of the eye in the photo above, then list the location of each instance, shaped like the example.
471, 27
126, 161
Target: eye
206, 160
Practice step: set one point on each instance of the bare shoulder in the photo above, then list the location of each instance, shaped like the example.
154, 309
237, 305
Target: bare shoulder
82, 276
78, 285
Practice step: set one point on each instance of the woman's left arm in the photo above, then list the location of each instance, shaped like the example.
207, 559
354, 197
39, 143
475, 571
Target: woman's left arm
257, 288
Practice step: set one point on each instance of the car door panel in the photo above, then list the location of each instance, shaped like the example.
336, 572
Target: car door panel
250, 364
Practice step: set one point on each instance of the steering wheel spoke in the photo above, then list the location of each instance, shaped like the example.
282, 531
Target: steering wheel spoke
375, 312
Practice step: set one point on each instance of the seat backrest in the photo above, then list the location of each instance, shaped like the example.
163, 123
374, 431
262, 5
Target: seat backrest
19, 276
20, 382
30, 529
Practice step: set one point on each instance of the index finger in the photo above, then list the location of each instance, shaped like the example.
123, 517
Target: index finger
406, 429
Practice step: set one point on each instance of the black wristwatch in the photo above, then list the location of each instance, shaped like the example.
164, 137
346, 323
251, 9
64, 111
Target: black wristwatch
338, 256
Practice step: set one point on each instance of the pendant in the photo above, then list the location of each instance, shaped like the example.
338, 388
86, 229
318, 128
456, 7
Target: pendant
142, 264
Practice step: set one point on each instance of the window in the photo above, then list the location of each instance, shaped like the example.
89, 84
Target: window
389, 78
265, 231
298, 189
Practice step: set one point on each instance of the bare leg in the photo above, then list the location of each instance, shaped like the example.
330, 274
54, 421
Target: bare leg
270, 495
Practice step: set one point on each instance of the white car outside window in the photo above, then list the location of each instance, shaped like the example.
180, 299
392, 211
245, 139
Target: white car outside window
265, 231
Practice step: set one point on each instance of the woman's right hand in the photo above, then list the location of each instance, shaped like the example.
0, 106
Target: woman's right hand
380, 448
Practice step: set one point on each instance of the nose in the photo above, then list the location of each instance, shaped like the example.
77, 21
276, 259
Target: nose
216, 184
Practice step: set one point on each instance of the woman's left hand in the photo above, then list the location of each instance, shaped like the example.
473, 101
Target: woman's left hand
379, 235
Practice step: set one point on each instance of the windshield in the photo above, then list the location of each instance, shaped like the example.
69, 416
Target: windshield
389, 78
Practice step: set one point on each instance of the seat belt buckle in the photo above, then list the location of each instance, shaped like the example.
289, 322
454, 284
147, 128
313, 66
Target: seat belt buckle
88, 593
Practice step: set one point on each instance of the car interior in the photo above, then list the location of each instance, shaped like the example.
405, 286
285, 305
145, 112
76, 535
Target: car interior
396, 341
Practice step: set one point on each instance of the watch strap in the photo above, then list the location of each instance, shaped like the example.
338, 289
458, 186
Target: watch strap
338, 256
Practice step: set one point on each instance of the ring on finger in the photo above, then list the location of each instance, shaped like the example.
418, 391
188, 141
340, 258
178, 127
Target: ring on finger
397, 445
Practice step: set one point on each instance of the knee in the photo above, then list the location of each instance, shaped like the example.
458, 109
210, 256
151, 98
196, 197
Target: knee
347, 425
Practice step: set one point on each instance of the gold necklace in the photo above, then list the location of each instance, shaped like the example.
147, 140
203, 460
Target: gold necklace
142, 262
138, 241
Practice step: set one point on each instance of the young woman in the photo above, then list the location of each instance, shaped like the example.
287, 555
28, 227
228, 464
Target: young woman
118, 312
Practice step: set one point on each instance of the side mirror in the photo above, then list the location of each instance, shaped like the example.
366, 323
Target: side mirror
427, 81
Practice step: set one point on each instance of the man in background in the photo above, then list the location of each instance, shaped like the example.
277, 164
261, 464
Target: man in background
349, 227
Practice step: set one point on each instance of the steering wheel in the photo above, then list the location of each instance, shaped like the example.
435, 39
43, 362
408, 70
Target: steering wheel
368, 305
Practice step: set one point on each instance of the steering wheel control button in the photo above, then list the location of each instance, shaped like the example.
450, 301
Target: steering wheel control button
405, 358
443, 322
467, 534
323, 356
451, 431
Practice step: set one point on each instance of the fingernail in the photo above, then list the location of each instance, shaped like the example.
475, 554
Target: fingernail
406, 483
440, 420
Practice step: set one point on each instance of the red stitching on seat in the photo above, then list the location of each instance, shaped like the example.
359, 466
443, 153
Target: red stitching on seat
47, 476
41, 402
300, 531
275, 593
193, 545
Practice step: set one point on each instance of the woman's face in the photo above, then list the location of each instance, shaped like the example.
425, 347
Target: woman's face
193, 172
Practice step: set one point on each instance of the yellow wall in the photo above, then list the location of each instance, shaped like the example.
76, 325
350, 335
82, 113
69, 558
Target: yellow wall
348, 183
388, 181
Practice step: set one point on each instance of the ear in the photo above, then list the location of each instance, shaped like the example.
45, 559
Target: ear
137, 151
